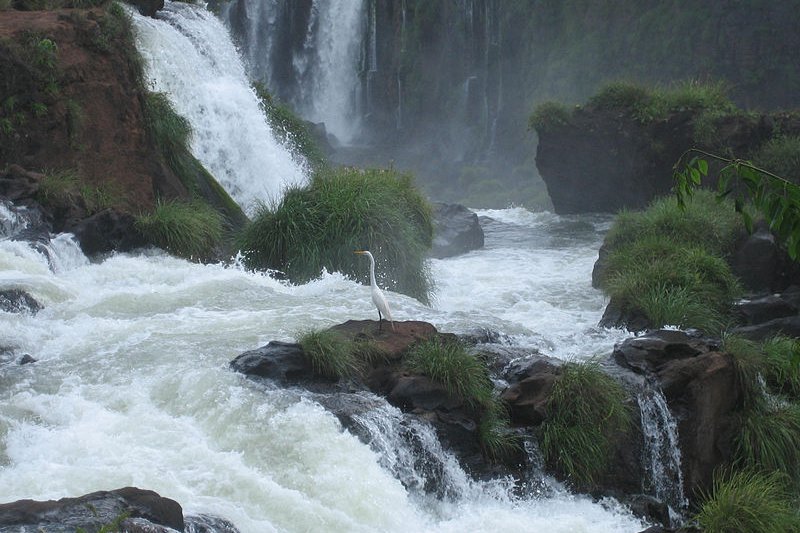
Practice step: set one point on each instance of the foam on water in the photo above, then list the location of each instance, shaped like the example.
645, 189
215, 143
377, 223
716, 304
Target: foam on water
132, 387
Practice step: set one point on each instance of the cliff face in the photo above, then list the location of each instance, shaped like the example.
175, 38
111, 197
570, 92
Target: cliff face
71, 98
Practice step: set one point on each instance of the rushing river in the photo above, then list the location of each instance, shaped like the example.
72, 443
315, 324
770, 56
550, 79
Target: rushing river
132, 385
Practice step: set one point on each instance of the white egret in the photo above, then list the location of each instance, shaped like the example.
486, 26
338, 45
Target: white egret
377, 294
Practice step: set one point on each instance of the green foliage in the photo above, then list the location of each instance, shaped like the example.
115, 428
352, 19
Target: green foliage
56, 187
782, 156
782, 355
318, 227
750, 365
548, 116
768, 440
290, 129
654, 104
586, 413
448, 363
190, 230
465, 376
704, 222
748, 501
330, 354
171, 133
776, 198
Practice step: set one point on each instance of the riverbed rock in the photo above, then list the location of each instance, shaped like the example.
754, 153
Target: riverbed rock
282, 362
146, 511
702, 391
148, 8
527, 398
18, 301
456, 230
107, 231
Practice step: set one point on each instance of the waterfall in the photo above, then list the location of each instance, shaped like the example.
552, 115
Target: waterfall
662, 453
190, 56
307, 54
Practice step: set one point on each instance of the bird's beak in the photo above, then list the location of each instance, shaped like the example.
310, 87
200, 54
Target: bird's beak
358, 252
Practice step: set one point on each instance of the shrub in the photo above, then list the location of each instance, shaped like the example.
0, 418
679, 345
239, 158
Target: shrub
670, 283
781, 155
586, 411
549, 115
187, 229
621, 95
57, 186
706, 222
748, 501
318, 227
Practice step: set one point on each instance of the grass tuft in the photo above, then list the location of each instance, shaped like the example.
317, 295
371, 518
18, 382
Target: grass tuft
549, 115
586, 411
780, 155
191, 230
783, 371
749, 501
334, 356
461, 373
769, 440
318, 227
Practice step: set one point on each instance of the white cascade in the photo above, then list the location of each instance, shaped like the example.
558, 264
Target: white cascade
662, 452
190, 56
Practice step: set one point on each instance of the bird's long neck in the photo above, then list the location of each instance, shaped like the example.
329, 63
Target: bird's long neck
372, 271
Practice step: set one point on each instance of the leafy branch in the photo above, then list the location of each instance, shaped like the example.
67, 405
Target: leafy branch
776, 198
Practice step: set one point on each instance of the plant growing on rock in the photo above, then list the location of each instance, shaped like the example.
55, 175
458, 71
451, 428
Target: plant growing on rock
191, 230
586, 413
748, 501
318, 227
465, 376
333, 356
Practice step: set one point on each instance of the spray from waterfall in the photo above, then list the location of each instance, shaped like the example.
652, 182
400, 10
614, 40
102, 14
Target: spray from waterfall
190, 56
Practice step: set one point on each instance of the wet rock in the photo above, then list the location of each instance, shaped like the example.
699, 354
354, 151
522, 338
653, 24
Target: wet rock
702, 391
392, 342
456, 230
527, 398
208, 524
148, 8
615, 316
764, 309
283, 362
756, 261
789, 326
26, 360
648, 508
18, 301
146, 510
106, 231
18, 185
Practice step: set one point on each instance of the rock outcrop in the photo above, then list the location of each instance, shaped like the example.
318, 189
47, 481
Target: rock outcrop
456, 230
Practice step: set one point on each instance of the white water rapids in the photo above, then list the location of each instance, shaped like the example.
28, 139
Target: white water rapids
132, 385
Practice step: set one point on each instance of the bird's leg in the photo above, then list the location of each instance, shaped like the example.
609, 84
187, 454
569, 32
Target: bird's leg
380, 321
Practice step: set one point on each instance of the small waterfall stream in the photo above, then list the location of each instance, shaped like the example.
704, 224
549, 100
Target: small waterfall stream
662, 452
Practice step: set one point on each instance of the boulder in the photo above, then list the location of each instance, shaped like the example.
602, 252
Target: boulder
18, 301
527, 398
702, 391
145, 510
756, 261
456, 230
615, 316
282, 362
107, 231
789, 326
763, 309
148, 8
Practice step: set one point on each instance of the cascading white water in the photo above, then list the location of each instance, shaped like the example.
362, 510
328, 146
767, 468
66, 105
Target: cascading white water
189, 56
324, 80
132, 386
662, 453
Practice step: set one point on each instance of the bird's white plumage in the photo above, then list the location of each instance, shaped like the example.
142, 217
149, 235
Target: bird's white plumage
377, 294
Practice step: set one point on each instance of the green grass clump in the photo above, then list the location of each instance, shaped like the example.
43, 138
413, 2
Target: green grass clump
290, 129
769, 440
781, 156
318, 227
447, 362
57, 186
191, 230
706, 222
465, 376
549, 115
782, 374
748, 501
586, 412
668, 264
334, 356
654, 104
